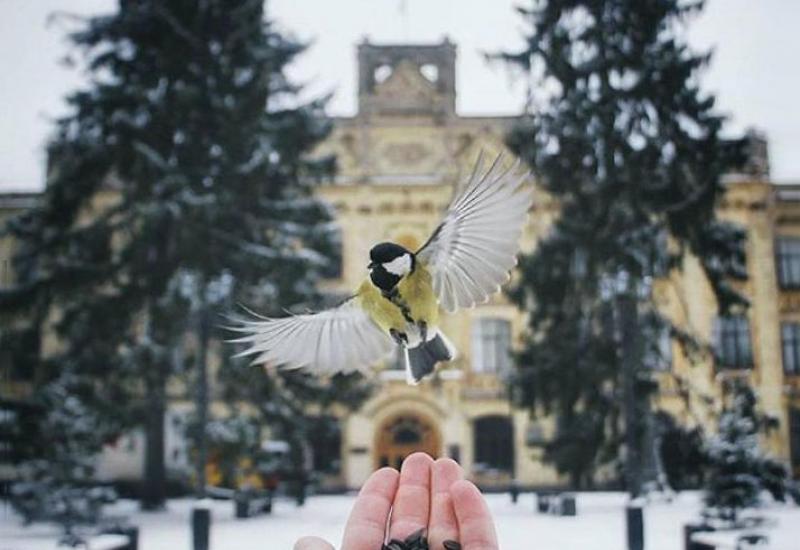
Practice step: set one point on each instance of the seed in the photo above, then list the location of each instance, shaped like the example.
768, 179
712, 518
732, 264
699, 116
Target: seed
451, 545
417, 540
414, 541
415, 537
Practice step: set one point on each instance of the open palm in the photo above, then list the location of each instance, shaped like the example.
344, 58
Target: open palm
425, 494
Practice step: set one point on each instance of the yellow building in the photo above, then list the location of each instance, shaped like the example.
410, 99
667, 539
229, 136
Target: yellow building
398, 160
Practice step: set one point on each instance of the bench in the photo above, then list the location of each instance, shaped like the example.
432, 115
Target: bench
116, 538
557, 504
699, 538
251, 503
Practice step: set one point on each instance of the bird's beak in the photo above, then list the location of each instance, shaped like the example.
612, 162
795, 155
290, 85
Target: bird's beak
371, 265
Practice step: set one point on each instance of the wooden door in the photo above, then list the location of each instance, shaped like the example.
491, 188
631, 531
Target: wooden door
402, 435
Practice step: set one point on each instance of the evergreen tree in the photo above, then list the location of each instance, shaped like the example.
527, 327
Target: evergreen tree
739, 471
619, 133
179, 185
57, 484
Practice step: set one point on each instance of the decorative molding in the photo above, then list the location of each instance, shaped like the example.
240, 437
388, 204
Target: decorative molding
788, 302
476, 393
405, 154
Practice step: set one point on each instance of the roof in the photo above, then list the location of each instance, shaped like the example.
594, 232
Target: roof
19, 200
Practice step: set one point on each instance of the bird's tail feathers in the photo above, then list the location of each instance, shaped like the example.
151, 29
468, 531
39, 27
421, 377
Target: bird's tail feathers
422, 359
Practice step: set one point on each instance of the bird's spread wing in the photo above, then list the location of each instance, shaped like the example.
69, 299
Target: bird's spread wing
472, 251
341, 339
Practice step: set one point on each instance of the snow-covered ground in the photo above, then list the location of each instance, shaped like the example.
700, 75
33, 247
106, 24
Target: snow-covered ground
599, 525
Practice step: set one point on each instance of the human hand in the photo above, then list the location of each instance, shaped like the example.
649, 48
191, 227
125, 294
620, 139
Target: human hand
424, 495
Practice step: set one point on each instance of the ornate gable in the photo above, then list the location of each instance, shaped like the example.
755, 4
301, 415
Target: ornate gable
406, 84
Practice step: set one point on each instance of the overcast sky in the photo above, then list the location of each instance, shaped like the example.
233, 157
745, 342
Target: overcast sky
755, 71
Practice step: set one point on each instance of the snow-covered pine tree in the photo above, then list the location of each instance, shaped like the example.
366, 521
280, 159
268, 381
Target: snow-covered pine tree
618, 132
739, 472
57, 485
179, 185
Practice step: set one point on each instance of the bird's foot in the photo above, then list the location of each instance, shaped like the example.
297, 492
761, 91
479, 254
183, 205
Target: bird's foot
423, 330
399, 338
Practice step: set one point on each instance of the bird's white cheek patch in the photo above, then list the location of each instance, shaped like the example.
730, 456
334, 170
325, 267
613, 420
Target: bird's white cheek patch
399, 266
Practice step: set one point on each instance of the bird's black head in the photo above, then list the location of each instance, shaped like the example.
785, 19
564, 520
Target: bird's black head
389, 263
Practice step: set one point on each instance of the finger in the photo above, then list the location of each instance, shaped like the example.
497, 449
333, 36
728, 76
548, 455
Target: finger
312, 543
412, 501
366, 526
475, 526
443, 524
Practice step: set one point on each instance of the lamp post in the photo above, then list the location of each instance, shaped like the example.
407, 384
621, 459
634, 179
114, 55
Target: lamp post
626, 292
202, 400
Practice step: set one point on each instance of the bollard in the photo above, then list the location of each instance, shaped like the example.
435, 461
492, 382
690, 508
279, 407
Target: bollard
514, 489
267, 508
542, 503
301, 492
635, 522
201, 526
241, 505
568, 507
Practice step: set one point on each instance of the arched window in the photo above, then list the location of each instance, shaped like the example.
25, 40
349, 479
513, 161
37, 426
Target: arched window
430, 72
494, 443
382, 73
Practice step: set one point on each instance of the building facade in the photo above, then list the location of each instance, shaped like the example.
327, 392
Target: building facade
398, 160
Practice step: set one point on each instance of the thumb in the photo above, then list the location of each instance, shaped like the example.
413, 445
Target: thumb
312, 543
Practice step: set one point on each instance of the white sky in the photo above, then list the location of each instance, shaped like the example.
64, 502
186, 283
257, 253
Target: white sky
755, 72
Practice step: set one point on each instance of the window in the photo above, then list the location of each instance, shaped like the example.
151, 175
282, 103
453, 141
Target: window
334, 261
794, 437
19, 350
325, 438
430, 71
491, 345
494, 443
790, 342
732, 342
788, 262
382, 73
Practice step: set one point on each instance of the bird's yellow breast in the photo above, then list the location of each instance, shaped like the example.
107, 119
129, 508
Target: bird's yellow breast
415, 290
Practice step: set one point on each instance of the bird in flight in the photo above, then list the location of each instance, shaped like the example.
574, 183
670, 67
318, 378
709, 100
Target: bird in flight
466, 260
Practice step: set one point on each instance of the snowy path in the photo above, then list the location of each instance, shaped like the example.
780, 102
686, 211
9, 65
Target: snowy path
598, 526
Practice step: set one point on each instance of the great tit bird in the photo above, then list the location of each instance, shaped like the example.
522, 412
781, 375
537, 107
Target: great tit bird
464, 262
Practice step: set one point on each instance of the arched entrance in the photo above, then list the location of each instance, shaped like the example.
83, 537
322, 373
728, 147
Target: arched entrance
403, 434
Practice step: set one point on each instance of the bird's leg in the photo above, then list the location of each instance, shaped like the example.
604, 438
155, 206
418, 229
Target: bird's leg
423, 330
390, 294
399, 338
